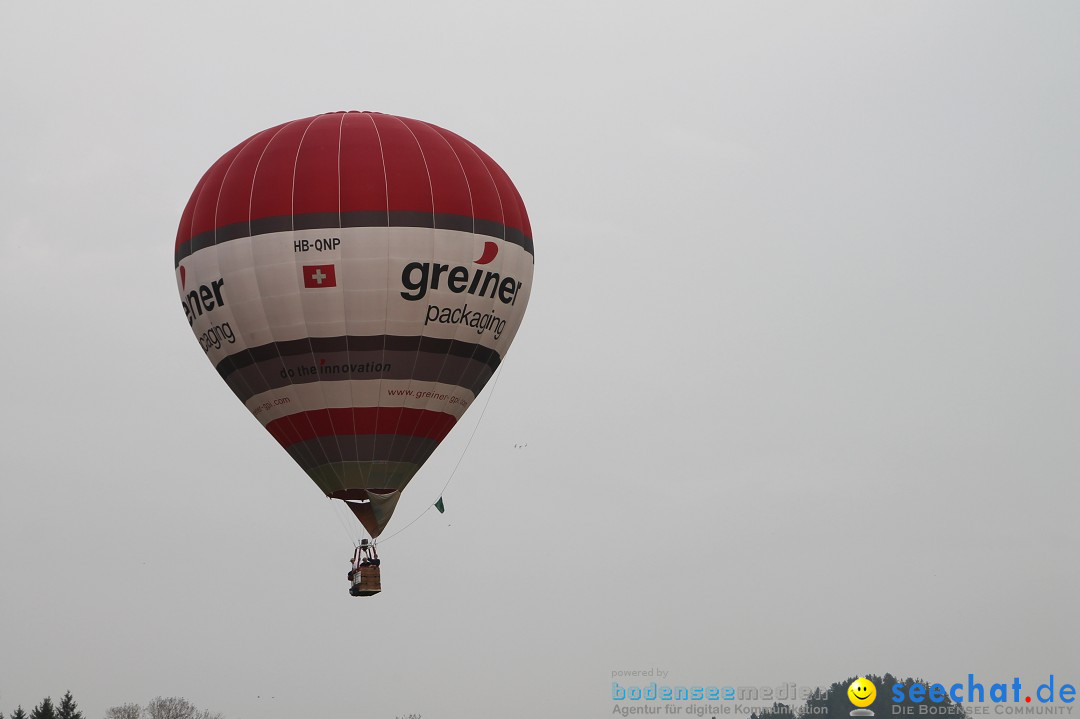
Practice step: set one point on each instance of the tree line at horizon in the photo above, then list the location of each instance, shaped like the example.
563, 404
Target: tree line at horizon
157, 708
68, 709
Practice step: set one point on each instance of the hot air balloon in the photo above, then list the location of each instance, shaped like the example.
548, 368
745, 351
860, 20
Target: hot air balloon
355, 278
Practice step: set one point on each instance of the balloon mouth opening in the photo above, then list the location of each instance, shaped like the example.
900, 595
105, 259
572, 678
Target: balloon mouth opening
360, 495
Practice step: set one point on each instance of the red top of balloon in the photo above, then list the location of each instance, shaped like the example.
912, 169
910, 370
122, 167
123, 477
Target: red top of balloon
347, 169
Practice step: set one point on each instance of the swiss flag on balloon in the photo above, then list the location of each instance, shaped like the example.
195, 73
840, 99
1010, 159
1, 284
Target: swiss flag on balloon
319, 276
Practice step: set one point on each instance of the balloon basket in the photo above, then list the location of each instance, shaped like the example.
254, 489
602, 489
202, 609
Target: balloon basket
367, 581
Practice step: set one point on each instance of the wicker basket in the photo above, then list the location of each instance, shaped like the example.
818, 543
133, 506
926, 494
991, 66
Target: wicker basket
368, 582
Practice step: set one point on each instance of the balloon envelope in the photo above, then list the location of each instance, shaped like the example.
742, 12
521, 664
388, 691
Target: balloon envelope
355, 278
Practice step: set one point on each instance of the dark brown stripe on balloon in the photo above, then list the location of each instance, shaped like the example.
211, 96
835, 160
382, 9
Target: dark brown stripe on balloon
361, 448
282, 364
360, 343
330, 221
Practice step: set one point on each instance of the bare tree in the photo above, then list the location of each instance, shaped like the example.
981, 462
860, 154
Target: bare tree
124, 711
161, 708
170, 708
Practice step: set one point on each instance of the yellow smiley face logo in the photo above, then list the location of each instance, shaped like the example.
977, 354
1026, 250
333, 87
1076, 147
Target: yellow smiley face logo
861, 693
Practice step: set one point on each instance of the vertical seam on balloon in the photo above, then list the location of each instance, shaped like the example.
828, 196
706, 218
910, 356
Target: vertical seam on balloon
337, 467
217, 261
502, 223
420, 342
304, 446
427, 404
472, 209
345, 305
247, 349
386, 294
454, 339
294, 420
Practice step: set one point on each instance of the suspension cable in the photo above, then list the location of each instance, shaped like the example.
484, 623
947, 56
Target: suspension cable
483, 410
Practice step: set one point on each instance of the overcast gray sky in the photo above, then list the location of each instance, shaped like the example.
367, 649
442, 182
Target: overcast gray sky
798, 379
